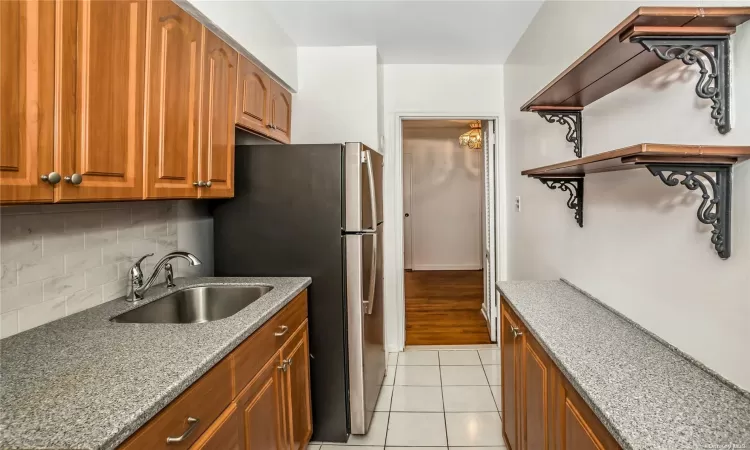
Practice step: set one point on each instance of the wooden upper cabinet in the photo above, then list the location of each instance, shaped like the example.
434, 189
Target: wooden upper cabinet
281, 113
27, 82
173, 77
262, 407
537, 393
102, 50
295, 354
219, 92
510, 348
253, 110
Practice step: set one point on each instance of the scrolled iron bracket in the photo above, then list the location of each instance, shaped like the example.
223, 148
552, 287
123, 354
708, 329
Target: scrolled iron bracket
716, 207
711, 54
574, 122
572, 185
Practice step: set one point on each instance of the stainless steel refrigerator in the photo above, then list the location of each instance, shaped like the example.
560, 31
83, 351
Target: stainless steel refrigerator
316, 210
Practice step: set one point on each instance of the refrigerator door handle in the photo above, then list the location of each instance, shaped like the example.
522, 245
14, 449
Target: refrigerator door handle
373, 197
370, 302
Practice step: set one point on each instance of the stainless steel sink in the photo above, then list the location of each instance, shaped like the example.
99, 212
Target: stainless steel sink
195, 305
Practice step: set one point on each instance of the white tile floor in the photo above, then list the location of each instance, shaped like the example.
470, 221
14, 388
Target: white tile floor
435, 399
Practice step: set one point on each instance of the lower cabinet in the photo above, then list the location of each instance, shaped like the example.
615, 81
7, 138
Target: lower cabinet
537, 388
577, 427
225, 411
262, 406
510, 353
296, 363
224, 434
541, 409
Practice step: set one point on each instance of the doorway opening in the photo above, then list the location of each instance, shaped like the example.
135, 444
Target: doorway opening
448, 231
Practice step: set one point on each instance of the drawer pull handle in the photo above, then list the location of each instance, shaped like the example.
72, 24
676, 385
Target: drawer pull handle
193, 424
282, 332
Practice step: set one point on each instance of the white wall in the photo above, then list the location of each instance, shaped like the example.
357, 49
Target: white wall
337, 100
252, 27
446, 200
642, 250
437, 90
56, 260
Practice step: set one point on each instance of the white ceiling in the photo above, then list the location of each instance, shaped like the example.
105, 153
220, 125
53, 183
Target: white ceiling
410, 31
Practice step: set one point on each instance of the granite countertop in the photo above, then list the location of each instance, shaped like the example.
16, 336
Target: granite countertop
84, 382
647, 394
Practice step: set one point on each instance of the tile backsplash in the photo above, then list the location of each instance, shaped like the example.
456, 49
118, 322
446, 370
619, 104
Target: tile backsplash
56, 260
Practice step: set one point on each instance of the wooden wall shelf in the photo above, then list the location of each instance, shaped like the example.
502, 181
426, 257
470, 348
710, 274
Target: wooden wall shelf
642, 154
645, 40
686, 165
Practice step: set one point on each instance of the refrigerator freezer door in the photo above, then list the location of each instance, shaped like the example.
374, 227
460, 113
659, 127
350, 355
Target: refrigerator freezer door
365, 316
364, 188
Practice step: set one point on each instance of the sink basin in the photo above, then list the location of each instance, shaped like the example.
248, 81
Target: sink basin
195, 305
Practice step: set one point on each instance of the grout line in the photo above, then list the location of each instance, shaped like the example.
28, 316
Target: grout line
490, 386
442, 395
390, 407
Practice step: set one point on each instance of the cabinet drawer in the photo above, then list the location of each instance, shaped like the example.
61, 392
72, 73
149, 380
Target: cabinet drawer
204, 400
251, 355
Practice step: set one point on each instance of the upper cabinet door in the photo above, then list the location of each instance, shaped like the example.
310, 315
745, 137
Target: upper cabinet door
219, 91
99, 150
173, 69
27, 82
281, 113
253, 97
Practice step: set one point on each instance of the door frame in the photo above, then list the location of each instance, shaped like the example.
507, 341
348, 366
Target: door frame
411, 231
498, 210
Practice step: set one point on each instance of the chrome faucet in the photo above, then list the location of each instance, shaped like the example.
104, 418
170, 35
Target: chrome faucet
138, 288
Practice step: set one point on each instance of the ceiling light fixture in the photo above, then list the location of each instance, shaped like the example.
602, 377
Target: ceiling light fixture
473, 137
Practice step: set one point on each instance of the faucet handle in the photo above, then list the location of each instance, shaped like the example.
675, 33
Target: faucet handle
136, 274
169, 275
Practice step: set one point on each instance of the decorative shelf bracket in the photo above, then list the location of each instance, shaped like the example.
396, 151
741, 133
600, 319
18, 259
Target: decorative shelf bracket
572, 119
716, 207
572, 185
711, 53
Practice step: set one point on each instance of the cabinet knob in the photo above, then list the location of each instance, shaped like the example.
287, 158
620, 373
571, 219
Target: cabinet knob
271, 126
51, 178
516, 332
282, 367
74, 179
207, 184
200, 183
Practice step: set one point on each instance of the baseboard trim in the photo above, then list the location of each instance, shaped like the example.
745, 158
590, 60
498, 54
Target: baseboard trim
425, 267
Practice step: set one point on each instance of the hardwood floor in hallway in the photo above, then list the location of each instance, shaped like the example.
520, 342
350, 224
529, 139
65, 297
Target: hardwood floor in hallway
444, 308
